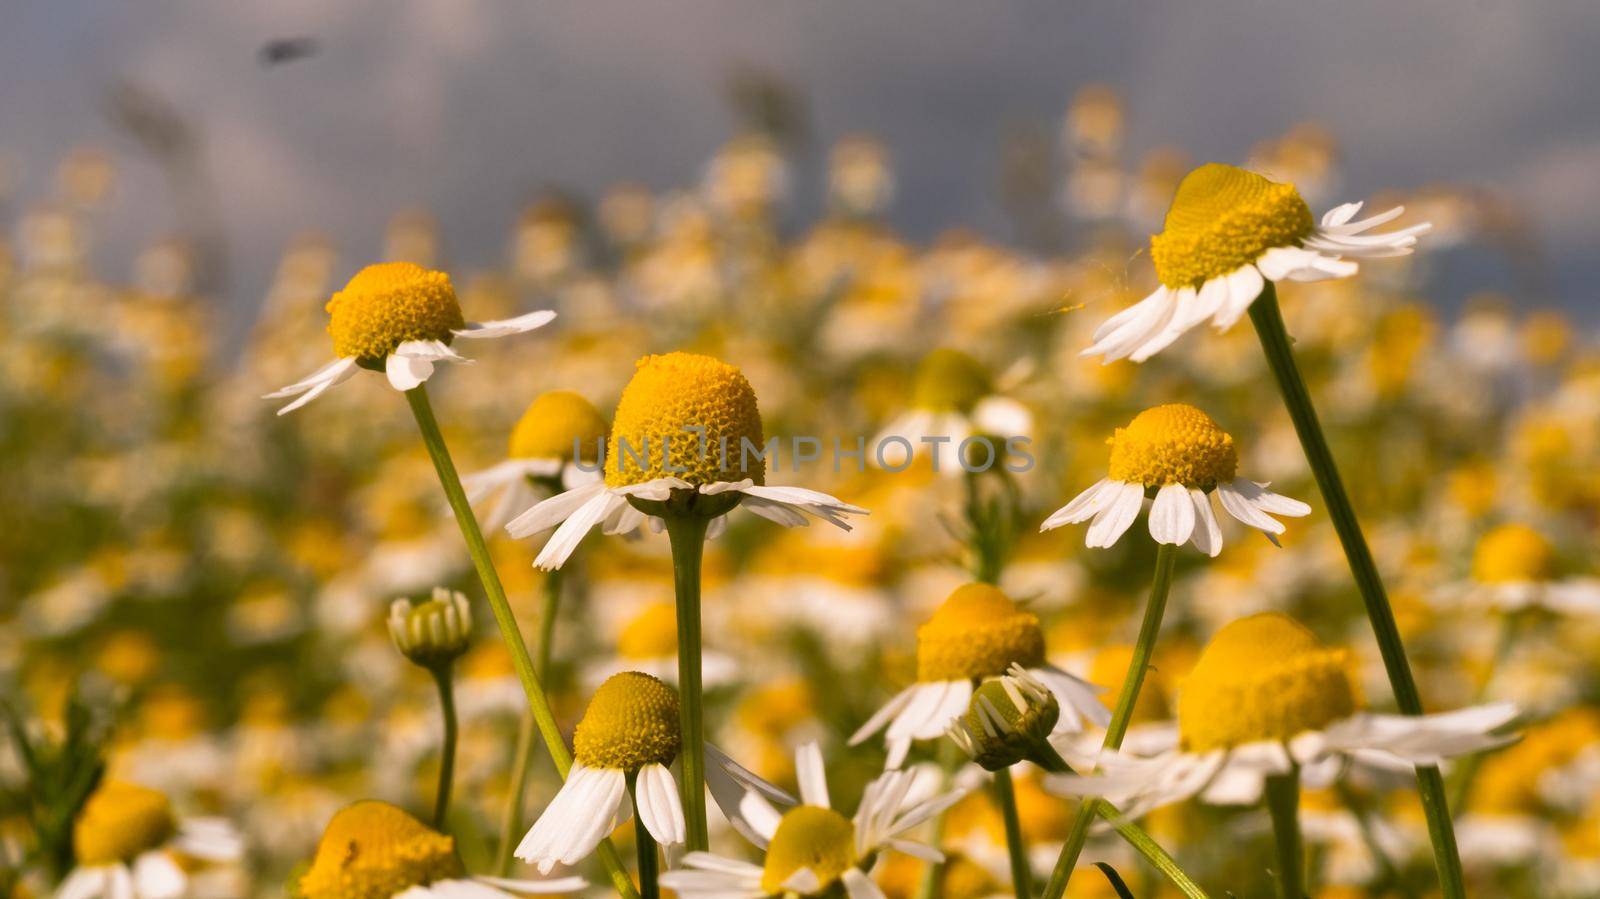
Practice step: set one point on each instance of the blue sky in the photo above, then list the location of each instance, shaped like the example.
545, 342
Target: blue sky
469, 108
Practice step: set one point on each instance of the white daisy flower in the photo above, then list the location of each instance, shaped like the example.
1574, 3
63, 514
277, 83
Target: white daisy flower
559, 431
1514, 569
1176, 454
1265, 699
811, 849
1227, 233
129, 845
371, 848
629, 732
977, 632
686, 437
398, 318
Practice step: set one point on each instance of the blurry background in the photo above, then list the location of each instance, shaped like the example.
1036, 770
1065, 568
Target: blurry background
470, 109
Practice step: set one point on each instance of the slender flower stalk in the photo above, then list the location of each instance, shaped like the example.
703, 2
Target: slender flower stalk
1143, 649
1006, 793
649, 862
1283, 804
1275, 343
538, 704
1149, 848
447, 754
687, 534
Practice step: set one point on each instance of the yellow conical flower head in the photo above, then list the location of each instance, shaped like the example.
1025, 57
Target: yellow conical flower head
556, 421
977, 632
809, 836
1223, 218
372, 850
949, 381
632, 721
120, 822
652, 634
1513, 553
1173, 444
674, 399
387, 304
1265, 677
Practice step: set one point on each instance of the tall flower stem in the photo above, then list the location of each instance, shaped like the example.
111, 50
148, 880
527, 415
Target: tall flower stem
1143, 648
1006, 792
511, 817
687, 534
1283, 804
447, 753
1275, 343
538, 704
649, 862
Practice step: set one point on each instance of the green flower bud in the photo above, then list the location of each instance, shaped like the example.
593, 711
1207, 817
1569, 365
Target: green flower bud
1007, 720
432, 633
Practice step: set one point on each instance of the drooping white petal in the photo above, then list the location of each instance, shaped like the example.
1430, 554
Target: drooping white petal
1124, 332
660, 809
406, 372
1235, 504
811, 775
1172, 515
157, 876
506, 326
1074, 693
1083, 506
85, 882
552, 511
883, 715
321, 381
1116, 517
1207, 536
571, 884
565, 540
584, 811
1244, 285
859, 886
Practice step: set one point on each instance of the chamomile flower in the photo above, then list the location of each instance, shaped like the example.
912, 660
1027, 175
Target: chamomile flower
1228, 232
129, 844
648, 643
559, 430
687, 438
1514, 567
1266, 697
398, 318
1178, 456
629, 731
373, 850
978, 632
811, 849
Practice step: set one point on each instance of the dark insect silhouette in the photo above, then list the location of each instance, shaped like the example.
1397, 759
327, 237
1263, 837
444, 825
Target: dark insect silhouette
286, 50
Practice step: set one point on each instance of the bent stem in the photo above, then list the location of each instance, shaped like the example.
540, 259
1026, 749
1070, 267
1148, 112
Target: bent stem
1143, 649
649, 863
687, 533
1283, 804
1275, 343
447, 752
538, 704
1149, 848
1006, 792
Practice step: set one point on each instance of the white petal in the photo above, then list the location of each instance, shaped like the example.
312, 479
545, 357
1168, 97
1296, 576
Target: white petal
883, 716
506, 326
157, 876
1172, 515
1207, 532
1083, 506
660, 809
1116, 517
565, 540
325, 379
552, 511
533, 887
85, 883
812, 776
859, 886
406, 372
1236, 504
1124, 332
1244, 285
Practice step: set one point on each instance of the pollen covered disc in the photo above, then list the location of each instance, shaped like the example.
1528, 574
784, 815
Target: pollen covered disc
1265, 677
389, 303
372, 849
1223, 218
632, 721
556, 422
977, 632
1173, 444
121, 821
701, 408
811, 837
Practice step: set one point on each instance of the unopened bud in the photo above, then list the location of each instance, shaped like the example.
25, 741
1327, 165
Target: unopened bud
434, 632
1007, 720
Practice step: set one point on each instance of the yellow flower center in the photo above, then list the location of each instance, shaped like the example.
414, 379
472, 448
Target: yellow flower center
120, 822
1223, 218
809, 837
1173, 444
632, 721
372, 850
702, 409
1512, 553
949, 381
556, 421
652, 634
387, 304
1265, 677
977, 632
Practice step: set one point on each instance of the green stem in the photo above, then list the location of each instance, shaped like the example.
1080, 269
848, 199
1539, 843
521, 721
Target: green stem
687, 534
511, 817
1275, 343
1006, 792
447, 752
538, 704
1122, 715
649, 862
1283, 804
548, 611
1149, 848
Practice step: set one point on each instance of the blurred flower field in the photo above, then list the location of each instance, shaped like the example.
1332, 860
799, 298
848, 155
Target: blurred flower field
197, 596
